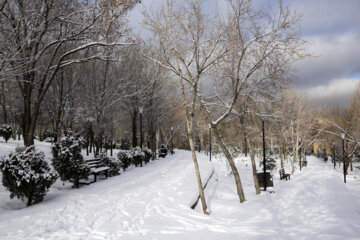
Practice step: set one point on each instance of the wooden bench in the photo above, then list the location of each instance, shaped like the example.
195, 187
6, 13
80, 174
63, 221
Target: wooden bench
269, 179
284, 175
97, 167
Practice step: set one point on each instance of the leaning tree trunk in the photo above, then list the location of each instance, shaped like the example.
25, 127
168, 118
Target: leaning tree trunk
190, 131
253, 164
234, 170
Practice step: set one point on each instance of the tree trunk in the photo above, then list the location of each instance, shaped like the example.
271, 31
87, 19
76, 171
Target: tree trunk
190, 130
29, 202
3, 102
246, 145
295, 156
253, 164
76, 183
234, 170
196, 165
134, 128
28, 137
281, 150
60, 107
152, 137
157, 137
87, 145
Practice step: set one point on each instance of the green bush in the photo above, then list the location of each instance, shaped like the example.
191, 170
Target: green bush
113, 163
138, 156
270, 164
26, 174
67, 159
125, 158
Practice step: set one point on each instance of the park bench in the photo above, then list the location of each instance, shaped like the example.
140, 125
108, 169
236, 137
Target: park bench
97, 167
269, 179
284, 175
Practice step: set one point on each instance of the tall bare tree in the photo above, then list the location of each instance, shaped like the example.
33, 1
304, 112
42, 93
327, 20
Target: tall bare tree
34, 33
258, 54
188, 47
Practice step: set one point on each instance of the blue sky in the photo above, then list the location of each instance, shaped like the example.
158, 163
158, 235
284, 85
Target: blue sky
332, 30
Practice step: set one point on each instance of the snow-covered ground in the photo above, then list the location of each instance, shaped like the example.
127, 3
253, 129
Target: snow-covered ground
153, 202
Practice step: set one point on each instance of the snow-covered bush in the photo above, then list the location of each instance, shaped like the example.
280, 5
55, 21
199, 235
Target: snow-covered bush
67, 158
6, 131
125, 158
134, 156
113, 163
138, 156
148, 154
26, 174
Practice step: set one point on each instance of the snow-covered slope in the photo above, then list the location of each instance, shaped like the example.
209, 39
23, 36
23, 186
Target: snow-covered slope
153, 202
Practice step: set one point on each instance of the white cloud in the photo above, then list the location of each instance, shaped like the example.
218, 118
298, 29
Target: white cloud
337, 92
335, 57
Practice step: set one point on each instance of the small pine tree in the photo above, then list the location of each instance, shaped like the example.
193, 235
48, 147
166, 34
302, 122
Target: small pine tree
67, 159
26, 174
113, 163
6, 131
270, 164
125, 158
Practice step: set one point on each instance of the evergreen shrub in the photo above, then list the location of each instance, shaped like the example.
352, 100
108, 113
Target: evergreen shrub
113, 163
26, 174
67, 159
125, 158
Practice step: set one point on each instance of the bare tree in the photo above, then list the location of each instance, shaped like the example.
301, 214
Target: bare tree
36, 33
188, 46
246, 51
257, 54
296, 125
345, 121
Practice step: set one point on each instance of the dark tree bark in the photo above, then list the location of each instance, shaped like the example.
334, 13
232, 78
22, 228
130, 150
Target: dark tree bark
134, 127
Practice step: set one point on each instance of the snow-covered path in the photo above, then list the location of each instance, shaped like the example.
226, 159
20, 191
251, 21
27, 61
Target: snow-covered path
315, 204
137, 203
153, 203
